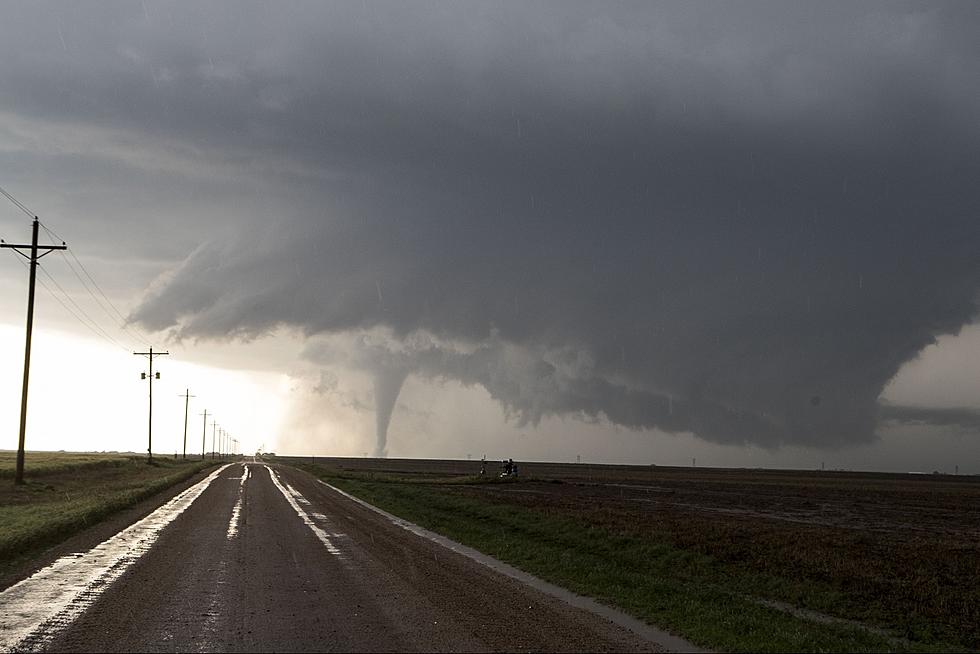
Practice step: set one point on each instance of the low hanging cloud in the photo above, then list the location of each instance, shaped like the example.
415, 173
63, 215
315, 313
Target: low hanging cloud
738, 221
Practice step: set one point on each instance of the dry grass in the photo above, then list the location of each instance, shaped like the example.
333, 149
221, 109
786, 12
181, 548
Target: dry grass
41, 464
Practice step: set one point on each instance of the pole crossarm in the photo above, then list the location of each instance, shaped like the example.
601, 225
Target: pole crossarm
48, 249
16, 247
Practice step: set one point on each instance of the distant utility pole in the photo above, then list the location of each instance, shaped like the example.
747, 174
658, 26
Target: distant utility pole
151, 354
204, 436
214, 433
33, 259
187, 401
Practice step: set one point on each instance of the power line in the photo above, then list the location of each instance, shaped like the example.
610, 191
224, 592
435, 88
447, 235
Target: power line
59, 301
135, 332
69, 309
82, 311
123, 322
85, 319
17, 202
78, 308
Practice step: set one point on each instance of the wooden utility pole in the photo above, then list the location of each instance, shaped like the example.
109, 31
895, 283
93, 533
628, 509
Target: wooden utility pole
33, 259
151, 354
187, 401
214, 434
204, 436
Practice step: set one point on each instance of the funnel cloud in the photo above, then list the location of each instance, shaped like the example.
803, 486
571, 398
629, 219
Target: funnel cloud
387, 385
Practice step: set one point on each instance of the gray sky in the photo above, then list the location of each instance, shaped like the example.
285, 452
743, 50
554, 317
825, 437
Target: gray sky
735, 222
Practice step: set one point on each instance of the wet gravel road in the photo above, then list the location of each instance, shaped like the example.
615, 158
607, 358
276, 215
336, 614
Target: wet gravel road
260, 558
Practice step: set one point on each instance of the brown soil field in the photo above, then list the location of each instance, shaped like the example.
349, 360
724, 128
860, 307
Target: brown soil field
890, 549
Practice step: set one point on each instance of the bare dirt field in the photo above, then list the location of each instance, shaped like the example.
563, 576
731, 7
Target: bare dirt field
936, 505
900, 551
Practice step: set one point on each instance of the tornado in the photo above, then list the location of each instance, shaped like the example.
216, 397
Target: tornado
387, 386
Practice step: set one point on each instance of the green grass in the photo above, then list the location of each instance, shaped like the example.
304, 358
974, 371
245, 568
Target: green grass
711, 602
66, 493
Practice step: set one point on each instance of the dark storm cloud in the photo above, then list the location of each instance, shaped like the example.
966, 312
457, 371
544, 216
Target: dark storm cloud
738, 220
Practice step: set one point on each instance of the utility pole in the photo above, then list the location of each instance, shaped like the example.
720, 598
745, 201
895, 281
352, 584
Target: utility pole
187, 400
151, 354
214, 433
33, 259
204, 436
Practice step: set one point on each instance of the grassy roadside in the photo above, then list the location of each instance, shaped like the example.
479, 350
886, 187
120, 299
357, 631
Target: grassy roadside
710, 602
44, 464
68, 493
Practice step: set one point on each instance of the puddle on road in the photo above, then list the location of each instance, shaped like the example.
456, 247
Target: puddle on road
296, 499
236, 512
32, 611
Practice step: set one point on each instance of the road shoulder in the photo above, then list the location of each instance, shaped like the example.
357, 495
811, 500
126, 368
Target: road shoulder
97, 533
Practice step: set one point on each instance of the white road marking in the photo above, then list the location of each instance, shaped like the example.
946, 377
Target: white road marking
32, 611
295, 498
236, 512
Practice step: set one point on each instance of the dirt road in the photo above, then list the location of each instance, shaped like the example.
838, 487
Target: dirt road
259, 558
